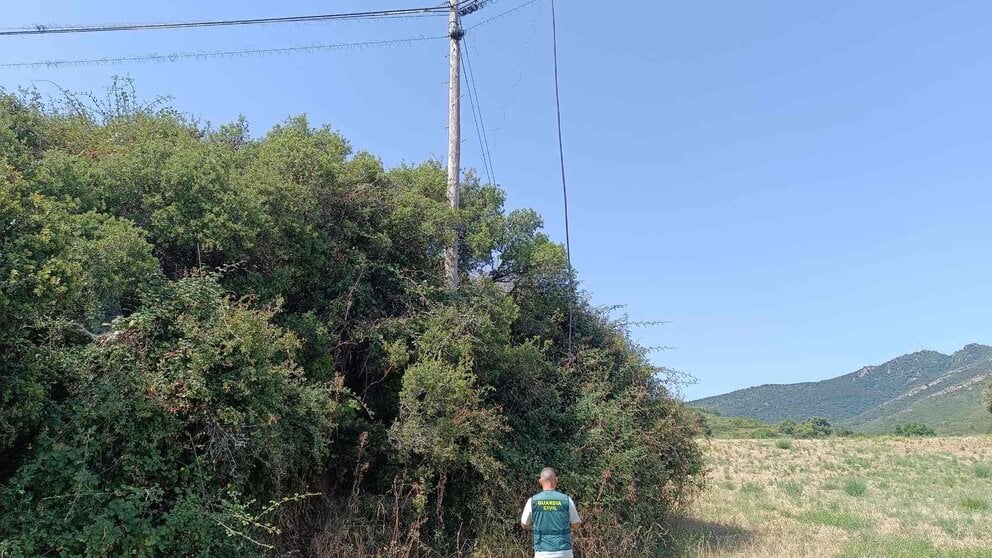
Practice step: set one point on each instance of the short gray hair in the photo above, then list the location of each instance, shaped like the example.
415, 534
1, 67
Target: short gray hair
548, 473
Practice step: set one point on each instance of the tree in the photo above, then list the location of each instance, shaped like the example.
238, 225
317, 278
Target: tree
787, 427
814, 427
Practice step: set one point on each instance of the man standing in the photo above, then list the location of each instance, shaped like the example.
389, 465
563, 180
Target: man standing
551, 514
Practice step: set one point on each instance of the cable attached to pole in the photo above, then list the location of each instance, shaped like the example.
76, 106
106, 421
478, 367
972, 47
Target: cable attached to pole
564, 187
378, 14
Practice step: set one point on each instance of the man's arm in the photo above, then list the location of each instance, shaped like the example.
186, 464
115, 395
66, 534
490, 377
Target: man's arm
526, 518
573, 514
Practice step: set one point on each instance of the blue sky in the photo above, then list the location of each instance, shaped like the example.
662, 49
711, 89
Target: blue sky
800, 188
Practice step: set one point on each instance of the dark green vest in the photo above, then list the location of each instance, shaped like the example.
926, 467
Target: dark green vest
552, 530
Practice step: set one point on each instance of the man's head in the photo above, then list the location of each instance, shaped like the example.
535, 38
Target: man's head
548, 479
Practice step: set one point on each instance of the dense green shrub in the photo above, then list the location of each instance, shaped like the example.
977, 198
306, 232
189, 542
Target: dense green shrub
228, 346
815, 427
712, 424
855, 487
914, 429
787, 427
186, 407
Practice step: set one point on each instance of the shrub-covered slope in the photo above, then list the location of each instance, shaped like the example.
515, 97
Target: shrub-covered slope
926, 386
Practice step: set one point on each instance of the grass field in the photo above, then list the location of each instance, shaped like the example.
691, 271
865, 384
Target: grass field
845, 498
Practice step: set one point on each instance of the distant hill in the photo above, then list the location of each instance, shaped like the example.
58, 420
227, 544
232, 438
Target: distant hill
943, 391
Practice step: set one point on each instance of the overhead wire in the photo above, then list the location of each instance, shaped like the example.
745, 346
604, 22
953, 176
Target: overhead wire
437, 10
564, 187
480, 124
478, 129
248, 51
501, 15
238, 53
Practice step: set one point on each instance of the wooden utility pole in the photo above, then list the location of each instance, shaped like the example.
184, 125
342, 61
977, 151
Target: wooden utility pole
455, 33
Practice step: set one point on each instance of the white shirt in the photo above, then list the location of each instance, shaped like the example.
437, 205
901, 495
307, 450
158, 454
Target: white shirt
527, 518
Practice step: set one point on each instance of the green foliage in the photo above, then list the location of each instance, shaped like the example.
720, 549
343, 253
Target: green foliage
444, 423
716, 426
855, 487
987, 398
783, 444
792, 488
974, 504
833, 518
982, 470
914, 429
752, 488
815, 427
202, 330
844, 432
187, 404
787, 427
875, 545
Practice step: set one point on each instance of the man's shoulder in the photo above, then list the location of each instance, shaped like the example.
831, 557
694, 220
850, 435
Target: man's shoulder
551, 494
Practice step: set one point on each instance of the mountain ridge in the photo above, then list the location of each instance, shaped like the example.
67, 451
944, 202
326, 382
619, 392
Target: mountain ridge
925, 386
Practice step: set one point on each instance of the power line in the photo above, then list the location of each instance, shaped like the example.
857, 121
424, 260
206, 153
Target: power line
478, 130
377, 14
480, 125
202, 55
564, 188
502, 14
237, 53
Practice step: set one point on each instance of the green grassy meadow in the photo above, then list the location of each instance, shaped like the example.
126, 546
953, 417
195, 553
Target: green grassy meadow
844, 498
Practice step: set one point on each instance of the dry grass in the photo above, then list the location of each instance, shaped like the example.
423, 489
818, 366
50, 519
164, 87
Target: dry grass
844, 498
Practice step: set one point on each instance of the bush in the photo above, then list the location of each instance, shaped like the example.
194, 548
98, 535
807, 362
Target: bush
787, 427
855, 487
914, 429
815, 427
783, 444
190, 417
219, 345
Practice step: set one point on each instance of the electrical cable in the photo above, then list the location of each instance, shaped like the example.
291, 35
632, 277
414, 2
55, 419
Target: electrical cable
177, 56
237, 53
564, 188
478, 129
487, 154
502, 14
378, 14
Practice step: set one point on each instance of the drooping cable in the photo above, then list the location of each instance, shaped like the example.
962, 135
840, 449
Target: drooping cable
480, 125
378, 14
478, 128
564, 187
239, 53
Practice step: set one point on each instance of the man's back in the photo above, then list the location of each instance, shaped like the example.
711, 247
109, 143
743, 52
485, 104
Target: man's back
551, 514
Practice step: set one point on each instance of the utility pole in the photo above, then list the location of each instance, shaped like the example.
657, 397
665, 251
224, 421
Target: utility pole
455, 33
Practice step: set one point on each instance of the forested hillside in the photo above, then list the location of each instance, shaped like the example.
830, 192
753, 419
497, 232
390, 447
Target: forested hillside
217, 344
944, 391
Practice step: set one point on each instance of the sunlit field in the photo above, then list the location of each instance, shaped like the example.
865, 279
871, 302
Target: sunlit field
907, 498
